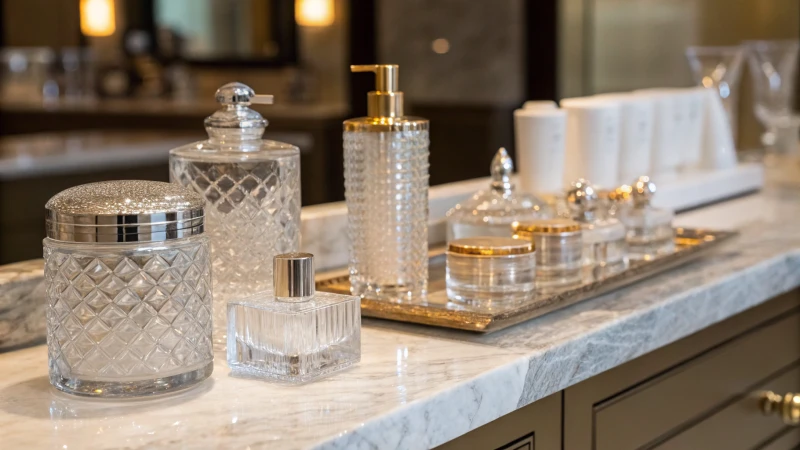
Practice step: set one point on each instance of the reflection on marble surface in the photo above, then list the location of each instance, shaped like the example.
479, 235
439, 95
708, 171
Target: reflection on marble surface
22, 304
380, 403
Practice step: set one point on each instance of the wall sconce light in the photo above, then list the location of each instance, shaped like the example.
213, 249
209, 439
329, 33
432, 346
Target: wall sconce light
313, 13
97, 18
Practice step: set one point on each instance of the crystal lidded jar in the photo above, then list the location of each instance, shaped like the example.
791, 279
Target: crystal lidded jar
293, 334
491, 212
386, 191
603, 237
559, 251
649, 231
252, 192
128, 286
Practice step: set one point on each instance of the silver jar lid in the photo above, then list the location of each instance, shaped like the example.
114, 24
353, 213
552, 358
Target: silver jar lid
124, 211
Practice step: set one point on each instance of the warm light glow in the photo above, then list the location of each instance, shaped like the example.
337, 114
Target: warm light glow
97, 18
440, 46
313, 13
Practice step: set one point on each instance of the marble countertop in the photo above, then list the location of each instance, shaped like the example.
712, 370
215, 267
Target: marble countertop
419, 387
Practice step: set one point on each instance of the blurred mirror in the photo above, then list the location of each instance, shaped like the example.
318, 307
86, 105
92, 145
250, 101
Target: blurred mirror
226, 31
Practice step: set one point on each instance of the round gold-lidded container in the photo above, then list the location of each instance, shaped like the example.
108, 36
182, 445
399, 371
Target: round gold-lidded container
488, 270
559, 247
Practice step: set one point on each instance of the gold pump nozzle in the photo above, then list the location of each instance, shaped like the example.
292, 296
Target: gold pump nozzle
385, 101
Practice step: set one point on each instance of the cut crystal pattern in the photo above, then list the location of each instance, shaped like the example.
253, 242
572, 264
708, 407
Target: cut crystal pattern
252, 214
386, 188
128, 315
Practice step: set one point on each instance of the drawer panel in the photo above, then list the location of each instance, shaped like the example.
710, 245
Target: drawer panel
685, 393
788, 440
741, 425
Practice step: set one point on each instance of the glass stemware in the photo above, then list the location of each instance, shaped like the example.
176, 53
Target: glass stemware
719, 68
773, 65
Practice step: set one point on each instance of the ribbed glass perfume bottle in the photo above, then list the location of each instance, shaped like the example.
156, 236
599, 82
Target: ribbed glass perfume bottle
252, 191
293, 334
386, 189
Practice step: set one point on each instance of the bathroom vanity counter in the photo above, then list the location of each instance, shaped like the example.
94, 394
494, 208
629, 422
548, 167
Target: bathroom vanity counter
419, 387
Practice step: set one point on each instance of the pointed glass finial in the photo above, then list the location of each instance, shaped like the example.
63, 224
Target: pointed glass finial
502, 168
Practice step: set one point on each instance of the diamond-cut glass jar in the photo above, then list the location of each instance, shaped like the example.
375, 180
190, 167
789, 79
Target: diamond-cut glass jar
128, 284
252, 191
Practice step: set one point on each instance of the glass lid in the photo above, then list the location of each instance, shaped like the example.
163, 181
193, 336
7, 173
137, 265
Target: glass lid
500, 203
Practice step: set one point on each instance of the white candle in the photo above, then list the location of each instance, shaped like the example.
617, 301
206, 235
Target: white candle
540, 149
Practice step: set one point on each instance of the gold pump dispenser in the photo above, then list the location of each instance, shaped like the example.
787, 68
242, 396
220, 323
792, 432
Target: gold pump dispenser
386, 191
384, 104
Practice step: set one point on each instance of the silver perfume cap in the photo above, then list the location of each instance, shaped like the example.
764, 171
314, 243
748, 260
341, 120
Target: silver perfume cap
124, 211
236, 118
501, 170
642, 191
293, 275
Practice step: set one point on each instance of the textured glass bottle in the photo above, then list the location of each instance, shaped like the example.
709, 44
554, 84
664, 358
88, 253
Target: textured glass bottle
128, 285
252, 192
491, 212
386, 189
649, 229
293, 334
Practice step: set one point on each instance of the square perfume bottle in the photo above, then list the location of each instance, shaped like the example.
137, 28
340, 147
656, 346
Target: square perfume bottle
294, 334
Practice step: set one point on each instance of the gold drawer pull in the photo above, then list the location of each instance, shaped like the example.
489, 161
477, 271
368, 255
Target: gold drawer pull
787, 406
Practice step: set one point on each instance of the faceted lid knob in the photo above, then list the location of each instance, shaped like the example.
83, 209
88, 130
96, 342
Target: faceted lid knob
293, 275
501, 169
240, 94
642, 191
236, 114
581, 198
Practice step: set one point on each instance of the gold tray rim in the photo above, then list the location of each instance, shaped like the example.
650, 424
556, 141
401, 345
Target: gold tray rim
692, 243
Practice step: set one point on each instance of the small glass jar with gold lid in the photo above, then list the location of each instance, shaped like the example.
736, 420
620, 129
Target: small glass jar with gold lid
488, 270
559, 250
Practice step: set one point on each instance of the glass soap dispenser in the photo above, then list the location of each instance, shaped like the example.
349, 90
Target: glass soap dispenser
252, 192
492, 212
386, 191
603, 237
649, 229
293, 334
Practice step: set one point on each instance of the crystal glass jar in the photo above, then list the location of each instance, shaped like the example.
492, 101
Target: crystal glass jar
252, 192
490, 270
491, 212
128, 285
293, 334
603, 237
649, 229
559, 251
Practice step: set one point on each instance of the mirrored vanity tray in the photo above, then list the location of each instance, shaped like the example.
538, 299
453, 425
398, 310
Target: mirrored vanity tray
438, 311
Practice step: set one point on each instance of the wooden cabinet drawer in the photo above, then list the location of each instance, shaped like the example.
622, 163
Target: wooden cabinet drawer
533, 427
658, 396
741, 424
659, 407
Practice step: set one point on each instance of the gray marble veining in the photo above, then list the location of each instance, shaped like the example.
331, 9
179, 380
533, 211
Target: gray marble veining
22, 304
